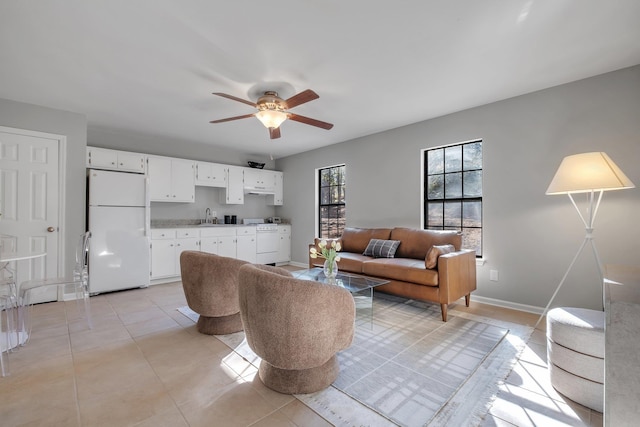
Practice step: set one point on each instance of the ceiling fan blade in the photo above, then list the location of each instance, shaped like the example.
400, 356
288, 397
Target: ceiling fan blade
309, 121
235, 98
274, 133
301, 98
228, 119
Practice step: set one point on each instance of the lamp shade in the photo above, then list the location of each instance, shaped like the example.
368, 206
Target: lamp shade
271, 118
581, 173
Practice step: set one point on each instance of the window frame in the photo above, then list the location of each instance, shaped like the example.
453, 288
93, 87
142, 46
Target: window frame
424, 205
320, 205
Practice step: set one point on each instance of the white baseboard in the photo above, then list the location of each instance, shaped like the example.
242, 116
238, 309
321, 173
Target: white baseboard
507, 304
299, 264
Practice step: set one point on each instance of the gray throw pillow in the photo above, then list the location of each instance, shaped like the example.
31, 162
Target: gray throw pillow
378, 248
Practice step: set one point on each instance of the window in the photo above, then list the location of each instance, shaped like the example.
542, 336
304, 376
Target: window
453, 191
331, 196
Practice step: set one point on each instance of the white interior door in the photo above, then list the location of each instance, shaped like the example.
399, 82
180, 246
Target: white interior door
29, 201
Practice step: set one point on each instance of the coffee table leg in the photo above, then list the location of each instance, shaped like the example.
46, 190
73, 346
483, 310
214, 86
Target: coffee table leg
364, 302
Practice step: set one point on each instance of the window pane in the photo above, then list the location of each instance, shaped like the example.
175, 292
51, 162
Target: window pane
435, 161
325, 195
335, 194
341, 175
472, 154
453, 158
453, 191
435, 186
452, 214
331, 195
472, 239
341, 222
453, 185
471, 214
472, 184
435, 211
325, 177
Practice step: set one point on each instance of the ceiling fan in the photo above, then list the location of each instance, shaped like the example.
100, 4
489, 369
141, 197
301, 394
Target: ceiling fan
273, 110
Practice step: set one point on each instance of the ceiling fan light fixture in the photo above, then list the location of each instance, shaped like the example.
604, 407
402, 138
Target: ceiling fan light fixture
271, 118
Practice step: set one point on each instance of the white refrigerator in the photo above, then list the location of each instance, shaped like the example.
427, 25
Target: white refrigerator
119, 225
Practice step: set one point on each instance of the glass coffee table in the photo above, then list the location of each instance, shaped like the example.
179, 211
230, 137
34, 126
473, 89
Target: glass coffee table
361, 287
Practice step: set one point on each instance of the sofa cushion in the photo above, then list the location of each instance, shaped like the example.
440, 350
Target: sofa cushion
416, 243
350, 262
402, 269
379, 248
431, 260
357, 239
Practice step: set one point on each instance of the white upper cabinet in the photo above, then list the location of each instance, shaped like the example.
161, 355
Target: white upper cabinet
103, 158
174, 180
211, 174
234, 194
258, 179
171, 180
278, 190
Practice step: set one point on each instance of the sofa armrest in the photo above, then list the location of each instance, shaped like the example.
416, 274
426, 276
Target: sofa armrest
456, 275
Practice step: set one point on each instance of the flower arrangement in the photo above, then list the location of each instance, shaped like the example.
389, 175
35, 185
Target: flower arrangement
330, 253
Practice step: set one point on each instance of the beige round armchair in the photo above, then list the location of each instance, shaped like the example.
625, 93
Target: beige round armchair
295, 326
210, 284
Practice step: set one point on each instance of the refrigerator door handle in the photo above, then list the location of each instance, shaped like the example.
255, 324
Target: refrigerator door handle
147, 208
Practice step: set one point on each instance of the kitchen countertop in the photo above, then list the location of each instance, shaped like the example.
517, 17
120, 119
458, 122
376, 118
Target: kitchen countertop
190, 223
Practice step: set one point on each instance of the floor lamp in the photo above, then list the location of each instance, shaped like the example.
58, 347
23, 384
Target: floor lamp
593, 174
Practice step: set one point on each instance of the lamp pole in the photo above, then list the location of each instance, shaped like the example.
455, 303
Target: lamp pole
588, 239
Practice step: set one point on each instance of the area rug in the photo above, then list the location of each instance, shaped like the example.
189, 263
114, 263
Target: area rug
406, 367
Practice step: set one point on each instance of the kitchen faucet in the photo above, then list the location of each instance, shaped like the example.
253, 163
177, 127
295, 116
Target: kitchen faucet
207, 216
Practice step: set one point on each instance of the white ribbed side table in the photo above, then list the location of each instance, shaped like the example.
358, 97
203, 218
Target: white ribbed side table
575, 354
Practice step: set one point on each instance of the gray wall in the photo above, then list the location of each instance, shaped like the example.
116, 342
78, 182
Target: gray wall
74, 127
530, 238
253, 207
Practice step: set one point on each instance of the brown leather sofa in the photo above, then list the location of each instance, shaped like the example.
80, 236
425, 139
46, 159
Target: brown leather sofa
453, 277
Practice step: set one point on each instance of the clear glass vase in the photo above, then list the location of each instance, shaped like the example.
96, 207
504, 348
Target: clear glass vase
330, 269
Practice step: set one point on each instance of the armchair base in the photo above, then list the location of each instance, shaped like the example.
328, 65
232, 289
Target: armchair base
222, 325
291, 381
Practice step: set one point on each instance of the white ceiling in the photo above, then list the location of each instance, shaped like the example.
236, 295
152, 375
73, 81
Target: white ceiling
150, 66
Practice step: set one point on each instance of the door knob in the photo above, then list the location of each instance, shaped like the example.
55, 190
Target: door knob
51, 229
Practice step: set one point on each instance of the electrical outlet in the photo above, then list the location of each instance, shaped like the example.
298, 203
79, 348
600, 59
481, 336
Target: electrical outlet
214, 214
493, 275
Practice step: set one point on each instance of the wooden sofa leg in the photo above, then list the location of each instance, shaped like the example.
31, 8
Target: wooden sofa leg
467, 299
443, 307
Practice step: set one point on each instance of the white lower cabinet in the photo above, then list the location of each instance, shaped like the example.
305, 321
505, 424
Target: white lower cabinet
246, 244
231, 241
219, 240
186, 240
163, 253
284, 244
166, 247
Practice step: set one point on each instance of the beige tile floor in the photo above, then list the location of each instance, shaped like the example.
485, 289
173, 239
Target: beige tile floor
144, 364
